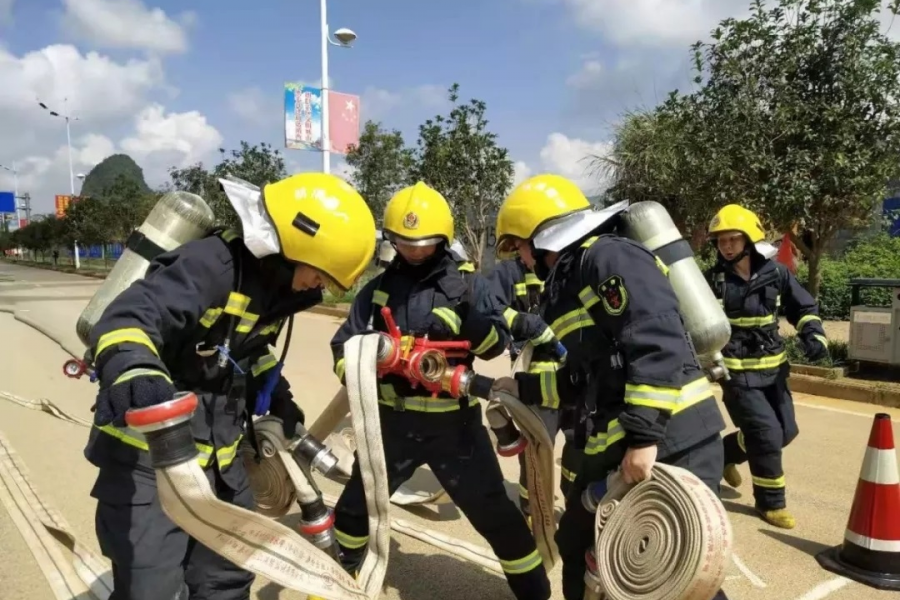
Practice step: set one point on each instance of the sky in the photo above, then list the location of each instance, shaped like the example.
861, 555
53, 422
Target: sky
169, 82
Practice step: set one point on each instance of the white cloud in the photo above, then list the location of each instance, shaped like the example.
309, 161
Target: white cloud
254, 106
569, 157
113, 101
126, 24
376, 103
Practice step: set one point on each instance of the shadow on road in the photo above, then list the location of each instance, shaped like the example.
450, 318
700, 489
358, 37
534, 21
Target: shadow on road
803, 545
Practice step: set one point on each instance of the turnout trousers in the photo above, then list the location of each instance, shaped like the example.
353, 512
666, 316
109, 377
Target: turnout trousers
462, 458
554, 420
575, 535
766, 424
152, 558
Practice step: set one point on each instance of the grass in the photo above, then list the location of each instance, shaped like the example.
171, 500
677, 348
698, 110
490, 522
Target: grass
837, 350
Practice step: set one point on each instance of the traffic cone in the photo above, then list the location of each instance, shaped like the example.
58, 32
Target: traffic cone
870, 553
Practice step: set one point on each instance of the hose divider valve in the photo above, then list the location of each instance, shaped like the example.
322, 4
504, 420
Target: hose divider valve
167, 429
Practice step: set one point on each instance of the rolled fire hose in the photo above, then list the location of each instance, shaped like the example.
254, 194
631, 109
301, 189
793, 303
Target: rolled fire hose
666, 538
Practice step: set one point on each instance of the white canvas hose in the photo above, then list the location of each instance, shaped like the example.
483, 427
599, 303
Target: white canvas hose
667, 538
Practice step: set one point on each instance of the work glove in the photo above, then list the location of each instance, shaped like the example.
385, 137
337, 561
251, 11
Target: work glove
533, 328
284, 407
137, 388
815, 346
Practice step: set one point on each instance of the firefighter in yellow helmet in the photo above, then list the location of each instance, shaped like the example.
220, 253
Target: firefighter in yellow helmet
630, 372
203, 320
428, 294
752, 289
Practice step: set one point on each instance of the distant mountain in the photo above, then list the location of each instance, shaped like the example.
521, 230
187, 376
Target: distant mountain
105, 174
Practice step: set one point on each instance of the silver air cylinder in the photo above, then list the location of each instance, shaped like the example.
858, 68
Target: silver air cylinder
649, 223
178, 218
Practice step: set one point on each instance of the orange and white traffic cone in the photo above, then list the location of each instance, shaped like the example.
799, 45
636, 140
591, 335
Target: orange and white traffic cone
870, 553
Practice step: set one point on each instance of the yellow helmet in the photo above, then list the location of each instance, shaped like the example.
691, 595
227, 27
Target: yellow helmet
418, 215
735, 217
321, 221
533, 203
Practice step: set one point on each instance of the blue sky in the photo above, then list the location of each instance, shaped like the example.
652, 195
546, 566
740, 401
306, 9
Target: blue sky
170, 81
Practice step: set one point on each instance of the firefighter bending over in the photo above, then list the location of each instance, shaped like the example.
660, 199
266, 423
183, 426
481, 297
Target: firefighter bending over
427, 294
202, 320
518, 289
630, 366
752, 289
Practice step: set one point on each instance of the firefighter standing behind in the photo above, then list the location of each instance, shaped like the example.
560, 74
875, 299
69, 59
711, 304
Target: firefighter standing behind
426, 293
752, 290
202, 320
629, 365
518, 289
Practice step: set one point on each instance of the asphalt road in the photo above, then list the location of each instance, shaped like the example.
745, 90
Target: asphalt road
822, 466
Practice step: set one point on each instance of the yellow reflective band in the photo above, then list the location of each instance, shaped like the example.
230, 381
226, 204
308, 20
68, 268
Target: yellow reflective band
520, 289
571, 321
237, 304
128, 335
539, 366
807, 319
771, 484
588, 297
549, 393
544, 337
509, 315
210, 317
755, 364
380, 298
661, 266
672, 400
272, 327
567, 474
601, 441
523, 492
263, 364
532, 279
466, 267
521, 565
749, 322
740, 441
136, 439
248, 320
141, 372
229, 235
450, 318
488, 342
350, 542
339, 368
225, 456
822, 339
425, 404
590, 241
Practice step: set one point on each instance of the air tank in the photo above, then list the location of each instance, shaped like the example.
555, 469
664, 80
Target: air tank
649, 223
177, 218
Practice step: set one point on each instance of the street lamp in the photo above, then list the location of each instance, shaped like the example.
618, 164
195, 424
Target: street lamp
68, 118
344, 39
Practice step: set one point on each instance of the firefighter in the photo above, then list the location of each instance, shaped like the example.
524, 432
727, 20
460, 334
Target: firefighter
202, 320
630, 368
427, 294
518, 289
752, 289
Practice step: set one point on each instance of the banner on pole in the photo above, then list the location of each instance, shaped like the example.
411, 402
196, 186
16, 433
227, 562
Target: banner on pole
62, 205
302, 117
343, 121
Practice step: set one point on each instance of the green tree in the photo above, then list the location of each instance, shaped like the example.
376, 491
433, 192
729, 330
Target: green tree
105, 174
458, 156
802, 115
256, 164
381, 163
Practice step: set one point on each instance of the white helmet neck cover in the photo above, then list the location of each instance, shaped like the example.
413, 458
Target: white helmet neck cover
766, 249
259, 233
567, 230
457, 248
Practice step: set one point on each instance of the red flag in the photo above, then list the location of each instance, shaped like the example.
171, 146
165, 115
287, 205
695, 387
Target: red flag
343, 121
786, 253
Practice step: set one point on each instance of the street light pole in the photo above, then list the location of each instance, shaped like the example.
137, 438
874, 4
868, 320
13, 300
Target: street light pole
345, 39
326, 142
68, 118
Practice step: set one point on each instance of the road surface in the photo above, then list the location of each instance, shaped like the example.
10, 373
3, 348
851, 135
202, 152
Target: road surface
822, 465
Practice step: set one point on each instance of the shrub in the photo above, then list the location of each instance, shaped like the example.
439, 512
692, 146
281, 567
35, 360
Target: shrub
873, 257
837, 350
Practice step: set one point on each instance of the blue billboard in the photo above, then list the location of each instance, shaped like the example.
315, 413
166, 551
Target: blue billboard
7, 202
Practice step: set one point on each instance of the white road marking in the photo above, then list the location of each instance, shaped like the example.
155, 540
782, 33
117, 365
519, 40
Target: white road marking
825, 589
839, 410
750, 575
